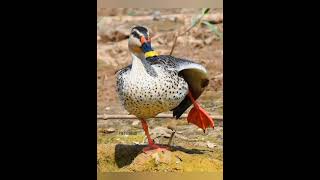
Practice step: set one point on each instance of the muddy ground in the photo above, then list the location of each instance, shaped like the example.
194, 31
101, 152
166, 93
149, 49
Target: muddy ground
120, 141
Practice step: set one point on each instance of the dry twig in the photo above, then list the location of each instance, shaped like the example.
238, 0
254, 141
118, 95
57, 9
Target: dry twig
119, 116
186, 31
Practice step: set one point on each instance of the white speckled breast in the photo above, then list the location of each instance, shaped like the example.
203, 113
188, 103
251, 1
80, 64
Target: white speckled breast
148, 93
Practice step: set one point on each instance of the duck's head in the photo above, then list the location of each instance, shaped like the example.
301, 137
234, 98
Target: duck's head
140, 42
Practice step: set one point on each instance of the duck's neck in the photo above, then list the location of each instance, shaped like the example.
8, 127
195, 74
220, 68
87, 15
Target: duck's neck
139, 65
141, 68
149, 52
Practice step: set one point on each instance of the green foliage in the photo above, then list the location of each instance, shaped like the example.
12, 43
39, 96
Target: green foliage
205, 10
213, 28
198, 20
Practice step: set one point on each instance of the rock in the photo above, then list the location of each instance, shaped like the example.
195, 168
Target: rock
173, 18
167, 161
156, 16
122, 33
200, 144
136, 123
101, 129
113, 34
200, 130
160, 132
110, 130
162, 157
211, 145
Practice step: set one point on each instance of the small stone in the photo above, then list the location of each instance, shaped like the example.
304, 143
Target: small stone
162, 157
136, 123
173, 18
200, 130
110, 130
156, 16
156, 157
160, 132
107, 108
108, 34
200, 144
211, 145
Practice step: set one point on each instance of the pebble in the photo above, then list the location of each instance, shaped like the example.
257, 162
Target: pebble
211, 145
136, 123
200, 130
110, 130
156, 16
160, 132
174, 19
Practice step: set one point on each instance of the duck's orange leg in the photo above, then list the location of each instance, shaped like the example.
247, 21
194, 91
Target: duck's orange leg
199, 116
151, 145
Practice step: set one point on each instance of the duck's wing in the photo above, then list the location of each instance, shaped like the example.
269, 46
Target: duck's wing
120, 79
125, 69
193, 73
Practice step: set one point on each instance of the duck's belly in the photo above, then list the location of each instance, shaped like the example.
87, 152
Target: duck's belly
145, 98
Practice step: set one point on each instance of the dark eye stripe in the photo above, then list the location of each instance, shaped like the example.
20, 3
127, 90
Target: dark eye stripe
135, 34
142, 30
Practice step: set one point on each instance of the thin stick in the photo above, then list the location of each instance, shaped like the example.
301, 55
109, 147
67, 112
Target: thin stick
120, 116
177, 35
171, 137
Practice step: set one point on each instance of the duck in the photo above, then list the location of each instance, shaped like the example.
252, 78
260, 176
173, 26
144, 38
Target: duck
155, 83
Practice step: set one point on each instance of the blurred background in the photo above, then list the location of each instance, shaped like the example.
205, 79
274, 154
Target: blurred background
202, 44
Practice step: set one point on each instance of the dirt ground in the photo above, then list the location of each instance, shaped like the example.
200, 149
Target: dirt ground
120, 140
